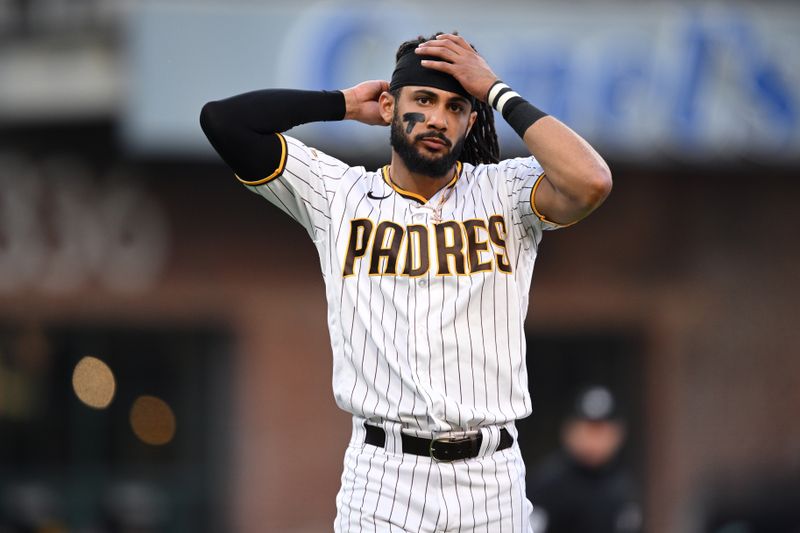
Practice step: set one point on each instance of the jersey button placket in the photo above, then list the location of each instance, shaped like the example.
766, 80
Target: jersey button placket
419, 215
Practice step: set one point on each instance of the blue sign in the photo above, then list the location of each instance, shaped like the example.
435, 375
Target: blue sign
638, 81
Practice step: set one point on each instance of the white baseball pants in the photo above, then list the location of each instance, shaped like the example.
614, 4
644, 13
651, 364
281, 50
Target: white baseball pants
385, 490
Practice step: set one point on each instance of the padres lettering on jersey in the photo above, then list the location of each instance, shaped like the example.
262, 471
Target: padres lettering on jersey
426, 298
392, 249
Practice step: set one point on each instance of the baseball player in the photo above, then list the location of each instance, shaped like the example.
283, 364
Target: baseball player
427, 264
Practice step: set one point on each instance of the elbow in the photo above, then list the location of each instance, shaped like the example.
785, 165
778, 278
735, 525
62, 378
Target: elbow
602, 183
207, 117
598, 187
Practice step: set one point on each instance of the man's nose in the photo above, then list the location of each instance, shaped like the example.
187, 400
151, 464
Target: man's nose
437, 119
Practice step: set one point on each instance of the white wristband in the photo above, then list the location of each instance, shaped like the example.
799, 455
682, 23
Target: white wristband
499, 95
494, 91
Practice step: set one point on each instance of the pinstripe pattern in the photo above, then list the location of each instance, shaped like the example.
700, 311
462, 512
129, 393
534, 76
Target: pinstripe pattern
433, 353
385, 491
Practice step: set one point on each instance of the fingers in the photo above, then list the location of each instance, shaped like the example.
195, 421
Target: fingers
441, 53
448, 47
445, 49
377, 84
442, 66
372, 89
379, 88
456, 57
457, 39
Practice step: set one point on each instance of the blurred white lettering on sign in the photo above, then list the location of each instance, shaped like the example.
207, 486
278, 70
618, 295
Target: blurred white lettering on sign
639, 80
60, 230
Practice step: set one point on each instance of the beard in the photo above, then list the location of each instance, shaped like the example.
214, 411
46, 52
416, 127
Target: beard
415, 161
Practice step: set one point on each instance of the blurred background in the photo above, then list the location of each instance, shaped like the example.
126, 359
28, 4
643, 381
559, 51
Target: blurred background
164, 357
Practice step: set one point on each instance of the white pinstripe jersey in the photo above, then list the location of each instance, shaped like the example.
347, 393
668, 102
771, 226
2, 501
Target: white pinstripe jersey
426, 300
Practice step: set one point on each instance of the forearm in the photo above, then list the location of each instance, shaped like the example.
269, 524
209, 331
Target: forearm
576, 179
242, 128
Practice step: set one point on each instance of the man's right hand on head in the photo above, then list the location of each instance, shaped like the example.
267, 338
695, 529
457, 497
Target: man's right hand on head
361, 102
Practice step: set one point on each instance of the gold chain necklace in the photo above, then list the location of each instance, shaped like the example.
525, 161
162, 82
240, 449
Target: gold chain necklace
437, 211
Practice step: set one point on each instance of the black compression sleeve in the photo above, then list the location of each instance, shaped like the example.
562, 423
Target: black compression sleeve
242, 128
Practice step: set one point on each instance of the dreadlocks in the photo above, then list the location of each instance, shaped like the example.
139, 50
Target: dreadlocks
481, 144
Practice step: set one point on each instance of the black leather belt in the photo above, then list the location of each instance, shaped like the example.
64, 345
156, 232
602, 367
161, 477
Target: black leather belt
440, 449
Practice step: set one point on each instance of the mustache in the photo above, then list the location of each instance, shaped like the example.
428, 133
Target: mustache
434, 135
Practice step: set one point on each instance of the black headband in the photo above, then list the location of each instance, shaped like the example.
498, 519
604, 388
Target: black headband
409, 71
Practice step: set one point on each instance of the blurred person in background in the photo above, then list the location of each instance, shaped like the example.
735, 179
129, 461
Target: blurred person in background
584, 487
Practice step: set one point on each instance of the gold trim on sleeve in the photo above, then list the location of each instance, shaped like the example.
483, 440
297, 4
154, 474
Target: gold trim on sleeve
536, 211
278, 171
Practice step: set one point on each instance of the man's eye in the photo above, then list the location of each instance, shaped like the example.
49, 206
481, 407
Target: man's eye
456, 108
423, 99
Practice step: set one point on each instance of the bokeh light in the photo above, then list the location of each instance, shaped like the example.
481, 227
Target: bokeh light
93, 382
152, 420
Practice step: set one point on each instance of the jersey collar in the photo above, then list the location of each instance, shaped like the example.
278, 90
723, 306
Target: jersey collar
412, 195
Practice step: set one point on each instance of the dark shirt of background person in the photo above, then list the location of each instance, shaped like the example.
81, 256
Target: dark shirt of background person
583, 487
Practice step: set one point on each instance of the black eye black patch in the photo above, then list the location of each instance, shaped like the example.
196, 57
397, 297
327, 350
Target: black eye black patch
412, 119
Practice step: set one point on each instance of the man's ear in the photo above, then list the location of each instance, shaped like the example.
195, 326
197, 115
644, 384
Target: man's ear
472, 118
386, 103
